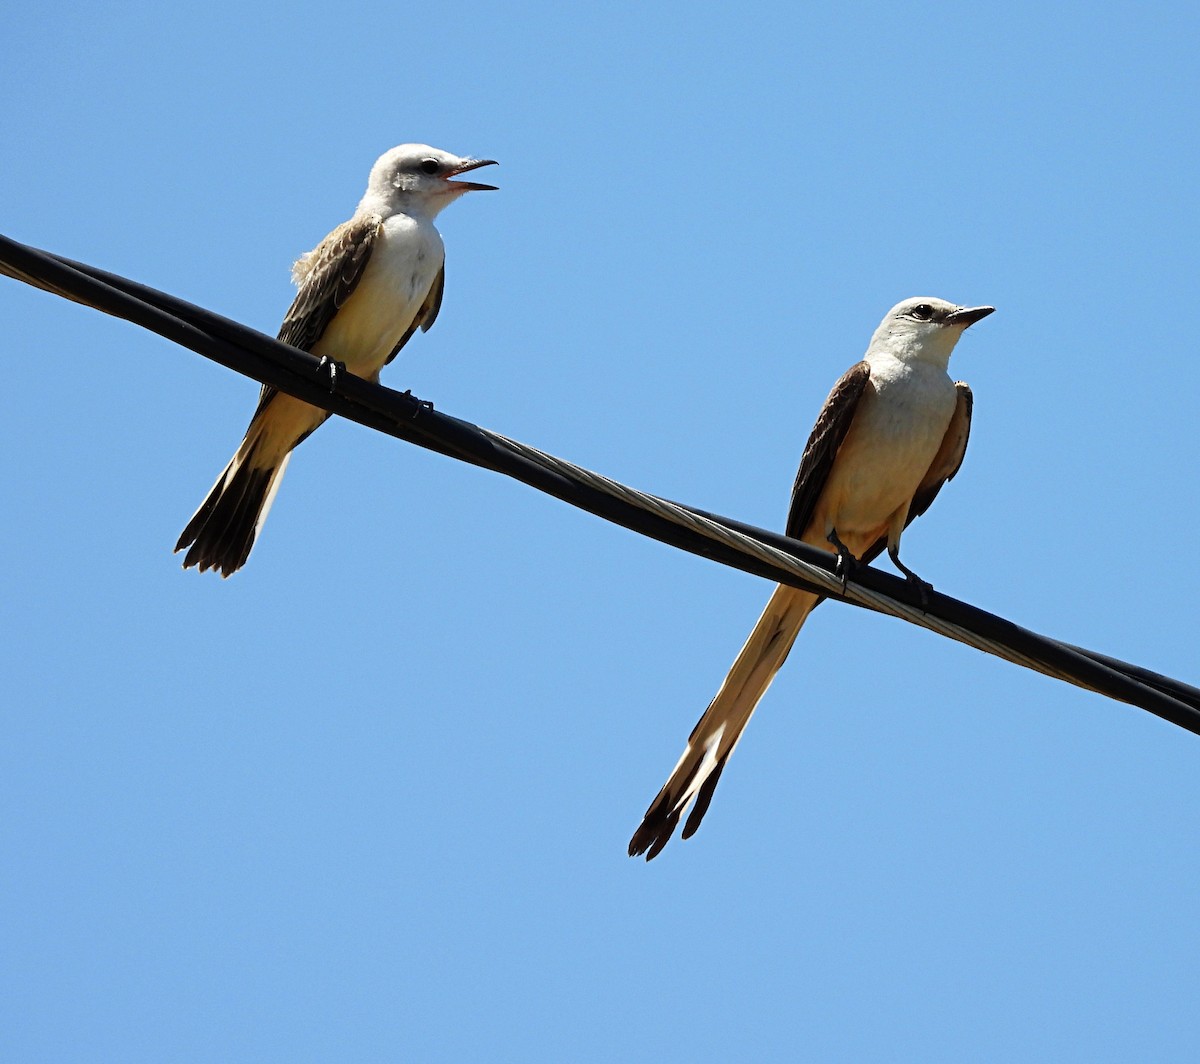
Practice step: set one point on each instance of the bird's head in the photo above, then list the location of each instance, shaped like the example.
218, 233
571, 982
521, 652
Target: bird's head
418, 173
925, 327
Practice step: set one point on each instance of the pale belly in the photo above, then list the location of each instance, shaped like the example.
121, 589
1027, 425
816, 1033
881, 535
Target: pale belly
899, 426
404, 265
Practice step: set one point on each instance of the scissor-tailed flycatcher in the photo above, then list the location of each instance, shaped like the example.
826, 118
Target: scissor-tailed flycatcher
892, 432
364, 290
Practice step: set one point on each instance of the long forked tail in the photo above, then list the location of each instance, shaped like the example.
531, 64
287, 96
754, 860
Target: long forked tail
717, 732
220, 534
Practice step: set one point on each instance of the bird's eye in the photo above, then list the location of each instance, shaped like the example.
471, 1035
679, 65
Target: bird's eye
922, 312
430, 166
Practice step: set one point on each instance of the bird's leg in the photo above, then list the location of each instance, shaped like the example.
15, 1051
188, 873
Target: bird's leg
923, 586
331, 369
846, 562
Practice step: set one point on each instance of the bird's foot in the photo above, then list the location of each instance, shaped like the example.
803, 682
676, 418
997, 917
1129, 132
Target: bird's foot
846, 562
922, 587
331, 369
424, 404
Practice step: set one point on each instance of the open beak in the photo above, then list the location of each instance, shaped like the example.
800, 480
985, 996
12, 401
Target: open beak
470, 186
965, 316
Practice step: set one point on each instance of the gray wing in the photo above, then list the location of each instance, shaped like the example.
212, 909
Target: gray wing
328, 276
428, 313
827, 435
945, 464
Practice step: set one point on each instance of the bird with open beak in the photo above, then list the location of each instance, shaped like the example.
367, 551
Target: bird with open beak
363, 291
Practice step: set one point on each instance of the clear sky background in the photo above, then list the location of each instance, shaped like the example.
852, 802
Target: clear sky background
369, 799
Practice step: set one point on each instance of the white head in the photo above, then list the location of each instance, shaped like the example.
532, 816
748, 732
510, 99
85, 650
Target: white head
417, 177
924, 328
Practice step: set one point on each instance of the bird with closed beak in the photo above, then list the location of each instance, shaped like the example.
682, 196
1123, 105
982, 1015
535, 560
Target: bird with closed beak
892, 432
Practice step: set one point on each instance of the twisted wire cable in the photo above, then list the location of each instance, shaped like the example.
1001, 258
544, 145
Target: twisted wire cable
721, 539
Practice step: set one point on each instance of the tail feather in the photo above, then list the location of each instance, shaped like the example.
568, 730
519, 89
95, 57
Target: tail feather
717, 732
220, 534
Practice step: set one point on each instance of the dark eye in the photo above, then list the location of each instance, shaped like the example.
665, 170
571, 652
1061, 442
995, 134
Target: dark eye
922, 312
430, 166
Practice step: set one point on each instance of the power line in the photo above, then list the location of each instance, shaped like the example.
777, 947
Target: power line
712, 536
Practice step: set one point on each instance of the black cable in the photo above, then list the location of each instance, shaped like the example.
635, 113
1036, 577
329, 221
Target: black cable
406, 417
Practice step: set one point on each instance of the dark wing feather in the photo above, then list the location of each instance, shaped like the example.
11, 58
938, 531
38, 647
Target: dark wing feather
428, 313
330, 273
949, 459
330, 276
433, 302
827, 435
945, 464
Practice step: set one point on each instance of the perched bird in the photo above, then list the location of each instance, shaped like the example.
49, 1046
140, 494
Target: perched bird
892, 432
363, 291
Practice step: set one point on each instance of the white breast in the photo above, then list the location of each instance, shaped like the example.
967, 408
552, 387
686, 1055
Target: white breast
899, 425
404, 263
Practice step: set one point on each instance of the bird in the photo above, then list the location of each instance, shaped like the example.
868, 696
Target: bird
893, 430
362, 293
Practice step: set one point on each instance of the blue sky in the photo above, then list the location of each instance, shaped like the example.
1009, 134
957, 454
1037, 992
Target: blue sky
369, 799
